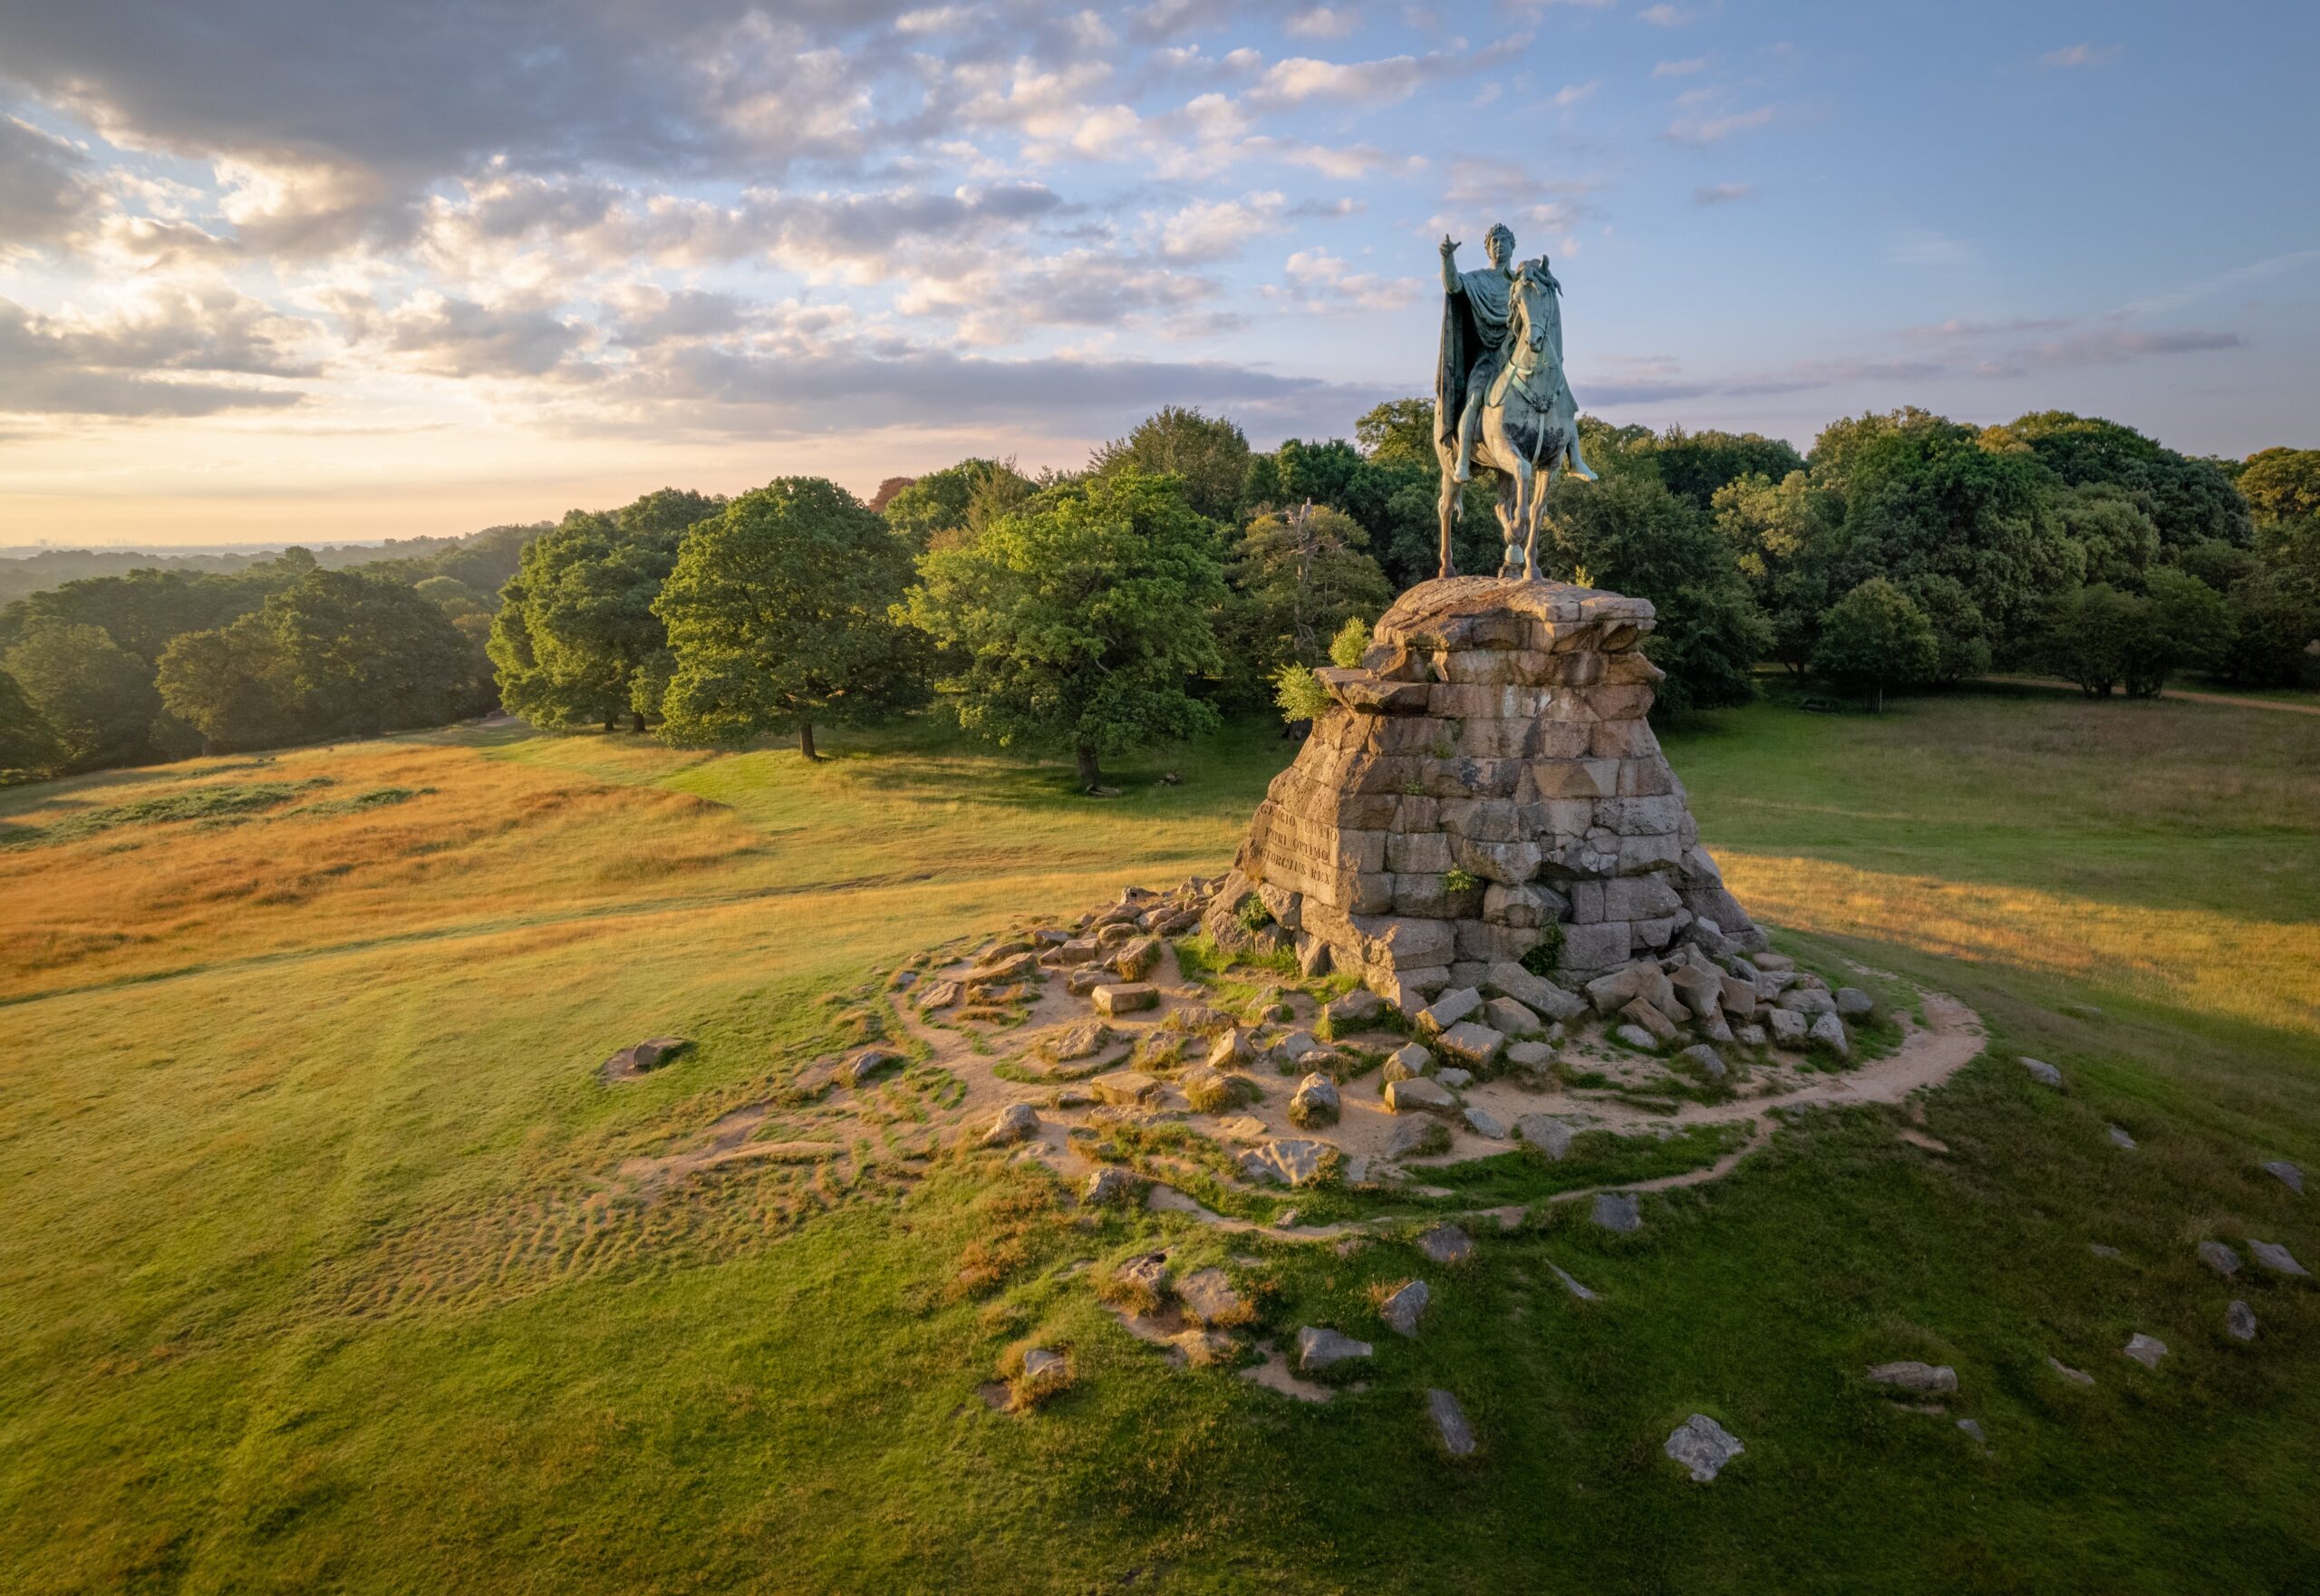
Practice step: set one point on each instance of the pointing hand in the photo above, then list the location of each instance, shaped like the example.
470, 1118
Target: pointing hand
1448, 249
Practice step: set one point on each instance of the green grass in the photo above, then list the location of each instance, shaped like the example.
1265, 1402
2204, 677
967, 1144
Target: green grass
319, 1273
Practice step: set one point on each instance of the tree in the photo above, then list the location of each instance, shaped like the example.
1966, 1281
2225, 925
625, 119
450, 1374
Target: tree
955, 499
1208, 452
28, 745
356, 656
228, 684
1924, 497
96, 697
2120, 542
1696, 465
1783, 536
1296, 579
1874, 638
887, 488
1629, 533
2187, 500
2283, 484
1400, 430
576, 624
1080, 621
779, 618
666, 512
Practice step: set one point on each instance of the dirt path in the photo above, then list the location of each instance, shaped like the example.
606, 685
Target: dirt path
2186, 694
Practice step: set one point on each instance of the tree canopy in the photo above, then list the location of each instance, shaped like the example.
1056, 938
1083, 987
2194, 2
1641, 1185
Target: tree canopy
1081, 620
576, 639
1208, 453
778, 619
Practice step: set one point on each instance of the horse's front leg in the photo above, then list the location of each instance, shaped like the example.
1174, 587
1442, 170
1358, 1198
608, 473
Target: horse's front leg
1513, 501
1449, 512
1545, 481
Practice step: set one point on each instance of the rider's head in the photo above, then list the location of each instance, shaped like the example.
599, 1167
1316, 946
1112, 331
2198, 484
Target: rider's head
1500, 244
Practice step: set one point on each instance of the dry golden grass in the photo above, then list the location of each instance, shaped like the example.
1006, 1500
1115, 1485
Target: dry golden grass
2266, 972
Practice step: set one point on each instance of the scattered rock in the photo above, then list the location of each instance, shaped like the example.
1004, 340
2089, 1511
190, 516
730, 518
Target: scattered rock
1852, 1003
1484, 1123
1546, 1132
1509, 1017
1115, 1001
1973, 1429
1123, 1087
1401, 1311
1139, 959
1086, 980
1106, 1186
1915, 1376
1704, 1447
643, 1058
1450, 1422
1406, 1061
2239, 1321
1419, 1095
2276, 1258
1618, 1212
1320, 1348
2286, 1174
1530, 1057
867, 1065
1208, 1296
1828, 1031
1083, 1040
1045, 1373
1205, 1348
1534, 992
1016, 1122
2145, 1350
1705, 1059
1315, 1102
2076, 1377
2044, 1073
1296, 1047
938, 994
1211, 1091
1788, 1027
1143, 1281
1446, 1243
1351, 1012
1570, 1285
1449, 1009
1636, 1037
1455, 1078
1418, 1137
1810, 1001
2119, 1136
2220, 1258
1648, 1018
1291, 1161
1232, 1050
1013, 967
2100, 1251
1471, 1044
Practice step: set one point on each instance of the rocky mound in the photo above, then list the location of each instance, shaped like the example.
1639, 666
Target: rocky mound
1486, 790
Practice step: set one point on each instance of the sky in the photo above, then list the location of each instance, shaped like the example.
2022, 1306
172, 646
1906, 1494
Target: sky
312, 270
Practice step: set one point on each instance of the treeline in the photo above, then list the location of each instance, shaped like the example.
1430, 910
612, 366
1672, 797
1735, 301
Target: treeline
1183, 576
54, 567
160, 663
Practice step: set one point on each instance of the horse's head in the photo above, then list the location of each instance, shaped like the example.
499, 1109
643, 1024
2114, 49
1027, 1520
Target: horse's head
1532, 314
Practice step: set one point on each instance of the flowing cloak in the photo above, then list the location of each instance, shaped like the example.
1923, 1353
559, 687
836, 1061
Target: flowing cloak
1473, 331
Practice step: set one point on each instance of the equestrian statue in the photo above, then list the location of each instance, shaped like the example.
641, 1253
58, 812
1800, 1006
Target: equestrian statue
1500, 396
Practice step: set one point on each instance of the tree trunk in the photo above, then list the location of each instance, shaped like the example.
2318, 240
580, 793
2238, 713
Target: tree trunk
1091, 774
612, 722
636, 720
805, 739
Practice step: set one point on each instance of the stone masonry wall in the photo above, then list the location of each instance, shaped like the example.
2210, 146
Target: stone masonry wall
1495, 728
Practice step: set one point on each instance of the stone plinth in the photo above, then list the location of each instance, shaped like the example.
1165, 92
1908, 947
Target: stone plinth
1487, 775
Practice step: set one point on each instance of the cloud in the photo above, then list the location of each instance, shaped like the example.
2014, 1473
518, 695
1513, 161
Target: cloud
1322, 22
1723, 193
443, 336
56, 368
1662, 16
1371, 83
1320, 283
45, 191
2083, 55
1214, 229
1715, 129
1680, 69
2111, 347
1572, 94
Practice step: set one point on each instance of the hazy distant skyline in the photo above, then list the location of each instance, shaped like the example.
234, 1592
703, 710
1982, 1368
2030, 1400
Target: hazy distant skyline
274, 271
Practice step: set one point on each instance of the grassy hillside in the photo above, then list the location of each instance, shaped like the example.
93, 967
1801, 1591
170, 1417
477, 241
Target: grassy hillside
319, 1273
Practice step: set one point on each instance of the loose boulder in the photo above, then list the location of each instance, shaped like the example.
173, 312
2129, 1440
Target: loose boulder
1704, 1447
1401, 1310
1016, 1122
1320, 1347
1316, 1101
1450, 1423
1915, 1376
